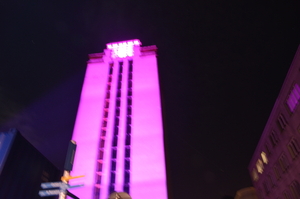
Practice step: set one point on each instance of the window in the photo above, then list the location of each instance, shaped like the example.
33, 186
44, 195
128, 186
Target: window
110, 72
276, 171
126, 188
274, 138
114, 153
105, 114
119, 93
107, 95
254, 175
118, 103
120, 77
127, 164
293, 98
111, 189
117, 121
283, 162
287, 195
121, 67
112, 177
128, 129
117, 111
116, 130
130, 66
293, 148
264, 157
100, 155
97, 192
98, 179
113, 165
295, 189
259, 166
128, 121
102, 142
267, 147
127, 152
130, 76
127, 142
129, 110
99, 166
127, 177
129, 93
115, 141
266, 187
271, 181
119, 85
129, 84
129, 101
281, 121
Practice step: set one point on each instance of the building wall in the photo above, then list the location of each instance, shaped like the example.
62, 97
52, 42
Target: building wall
24, 168
119, 128
274, 167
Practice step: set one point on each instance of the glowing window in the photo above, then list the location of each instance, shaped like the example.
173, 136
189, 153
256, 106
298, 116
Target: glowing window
254, 175
264, 157
259, 166
123, 49
294, 97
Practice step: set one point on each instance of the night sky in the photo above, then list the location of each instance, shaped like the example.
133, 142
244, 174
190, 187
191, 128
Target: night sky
221, 65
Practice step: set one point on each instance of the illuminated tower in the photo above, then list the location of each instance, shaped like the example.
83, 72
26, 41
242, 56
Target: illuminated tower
118, 129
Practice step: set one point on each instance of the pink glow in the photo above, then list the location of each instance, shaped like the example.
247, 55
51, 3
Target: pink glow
123, 49
147, 161
87, 128
294, 97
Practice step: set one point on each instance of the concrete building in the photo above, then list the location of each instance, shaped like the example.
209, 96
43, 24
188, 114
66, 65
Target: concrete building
274, 167
119, 128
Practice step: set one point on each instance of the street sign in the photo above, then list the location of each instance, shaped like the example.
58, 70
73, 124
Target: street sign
50, 192
49, 185
63, 186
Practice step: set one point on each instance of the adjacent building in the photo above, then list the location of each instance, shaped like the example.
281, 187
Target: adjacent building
23, 168
274, 167
119, 127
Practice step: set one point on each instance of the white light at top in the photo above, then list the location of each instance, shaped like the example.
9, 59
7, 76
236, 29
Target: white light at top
123, 49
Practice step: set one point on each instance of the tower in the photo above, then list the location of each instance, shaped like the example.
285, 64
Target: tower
119, 129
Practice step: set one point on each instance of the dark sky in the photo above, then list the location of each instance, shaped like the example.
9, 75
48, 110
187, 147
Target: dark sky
221, 66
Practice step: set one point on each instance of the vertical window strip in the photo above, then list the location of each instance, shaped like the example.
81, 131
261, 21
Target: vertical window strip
126, 185
98, 175
114, 151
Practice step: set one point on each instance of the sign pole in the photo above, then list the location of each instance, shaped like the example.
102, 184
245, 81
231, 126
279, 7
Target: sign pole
68, 166
63, 195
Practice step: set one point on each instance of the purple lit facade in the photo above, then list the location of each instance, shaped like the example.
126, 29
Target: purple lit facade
274, 167
119, 129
